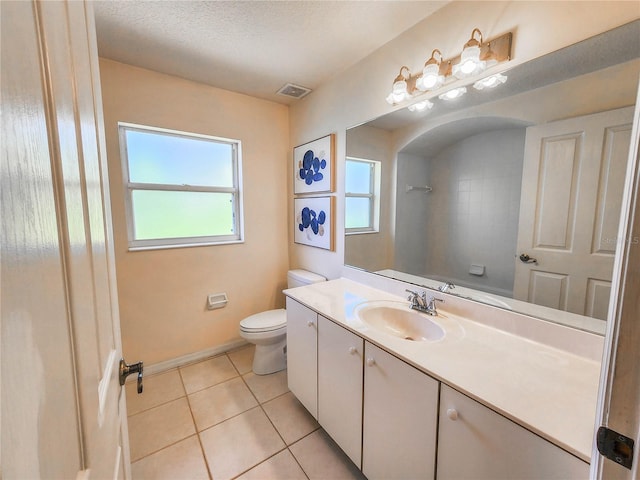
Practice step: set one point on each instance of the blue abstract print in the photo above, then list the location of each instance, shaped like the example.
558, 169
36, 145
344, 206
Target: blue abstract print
311, 219
310, 170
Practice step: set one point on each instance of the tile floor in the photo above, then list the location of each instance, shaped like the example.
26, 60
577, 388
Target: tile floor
217, 420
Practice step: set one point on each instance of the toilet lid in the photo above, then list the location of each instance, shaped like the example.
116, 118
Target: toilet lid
265, 321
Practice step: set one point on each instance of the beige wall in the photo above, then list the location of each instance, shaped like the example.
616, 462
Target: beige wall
358, 94
162, 293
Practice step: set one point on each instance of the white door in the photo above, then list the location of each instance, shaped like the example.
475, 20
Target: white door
572, 184
400, 418
476, 443
619, 394
302, 354
63, 410
340, 354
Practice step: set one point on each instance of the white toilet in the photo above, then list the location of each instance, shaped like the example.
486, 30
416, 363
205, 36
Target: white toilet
268, 330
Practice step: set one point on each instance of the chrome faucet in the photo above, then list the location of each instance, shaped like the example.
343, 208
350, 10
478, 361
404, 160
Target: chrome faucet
446, 287
419, 302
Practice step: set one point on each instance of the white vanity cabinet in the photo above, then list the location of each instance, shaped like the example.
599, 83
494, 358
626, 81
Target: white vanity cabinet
340, 355
476, 443
302, 354
400, 418
395, 421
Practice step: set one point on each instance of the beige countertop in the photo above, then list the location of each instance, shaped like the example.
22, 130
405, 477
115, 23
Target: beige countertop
549, 391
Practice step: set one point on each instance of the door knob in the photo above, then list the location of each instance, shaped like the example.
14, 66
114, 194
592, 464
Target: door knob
126, 370
524, 258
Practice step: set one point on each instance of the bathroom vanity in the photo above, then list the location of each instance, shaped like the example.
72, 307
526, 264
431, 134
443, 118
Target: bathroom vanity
462, 400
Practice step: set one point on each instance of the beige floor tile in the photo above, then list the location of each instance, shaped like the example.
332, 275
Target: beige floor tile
279, 467
158, 389
240, 443
159, 427
220, 402
266, 387
290, 418
243, 358
183, 460
207, 373
321, 458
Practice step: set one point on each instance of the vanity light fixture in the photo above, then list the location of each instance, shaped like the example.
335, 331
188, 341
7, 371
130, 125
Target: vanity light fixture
400, 90
420, 106
476, 57
470, 63
431, 78
490, 82
453, 93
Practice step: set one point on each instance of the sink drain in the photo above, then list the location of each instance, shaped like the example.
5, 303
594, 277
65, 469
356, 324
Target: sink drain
409, 338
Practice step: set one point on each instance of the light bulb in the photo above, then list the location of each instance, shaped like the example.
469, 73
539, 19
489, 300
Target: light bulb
490, 82
400, 87
420, 106
453, 94
430, 78
470, 62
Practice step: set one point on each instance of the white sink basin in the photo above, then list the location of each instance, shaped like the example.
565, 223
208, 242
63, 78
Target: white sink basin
397, 319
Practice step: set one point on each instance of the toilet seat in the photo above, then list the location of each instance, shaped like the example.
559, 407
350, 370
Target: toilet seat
265, 321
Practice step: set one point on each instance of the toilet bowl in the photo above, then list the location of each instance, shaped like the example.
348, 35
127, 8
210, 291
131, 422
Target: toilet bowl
268, 330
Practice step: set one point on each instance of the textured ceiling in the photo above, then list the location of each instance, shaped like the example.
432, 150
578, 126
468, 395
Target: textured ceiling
252, 47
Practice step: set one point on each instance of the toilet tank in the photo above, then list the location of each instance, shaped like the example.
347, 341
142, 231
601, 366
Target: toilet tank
299, 278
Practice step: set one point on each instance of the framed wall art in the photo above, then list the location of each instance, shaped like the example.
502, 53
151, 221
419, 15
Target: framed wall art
313, 221
313, 166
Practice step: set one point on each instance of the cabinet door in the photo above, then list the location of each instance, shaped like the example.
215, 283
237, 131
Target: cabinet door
400, 418
302, 354
476, 443
340, 354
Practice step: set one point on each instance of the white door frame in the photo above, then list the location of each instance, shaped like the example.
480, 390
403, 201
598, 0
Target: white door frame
619, 393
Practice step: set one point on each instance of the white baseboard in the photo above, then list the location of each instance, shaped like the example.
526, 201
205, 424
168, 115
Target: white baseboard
191, 358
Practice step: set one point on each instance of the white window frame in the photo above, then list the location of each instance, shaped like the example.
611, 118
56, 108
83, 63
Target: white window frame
373, 195
180, 242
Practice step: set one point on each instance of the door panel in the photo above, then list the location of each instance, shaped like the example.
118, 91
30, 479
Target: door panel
556, 194
569, 211
548, 289
36, 399
598, 293
71, 141
614, 167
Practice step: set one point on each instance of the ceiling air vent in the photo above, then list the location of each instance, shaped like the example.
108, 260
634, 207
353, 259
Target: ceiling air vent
293, 91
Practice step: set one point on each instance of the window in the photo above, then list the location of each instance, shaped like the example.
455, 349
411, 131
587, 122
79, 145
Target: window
362, 197
182, 189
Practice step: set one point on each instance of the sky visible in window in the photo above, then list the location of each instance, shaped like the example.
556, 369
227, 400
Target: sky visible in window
173, 160
358, 177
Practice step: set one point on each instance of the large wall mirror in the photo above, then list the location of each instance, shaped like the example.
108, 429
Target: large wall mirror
512, 194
